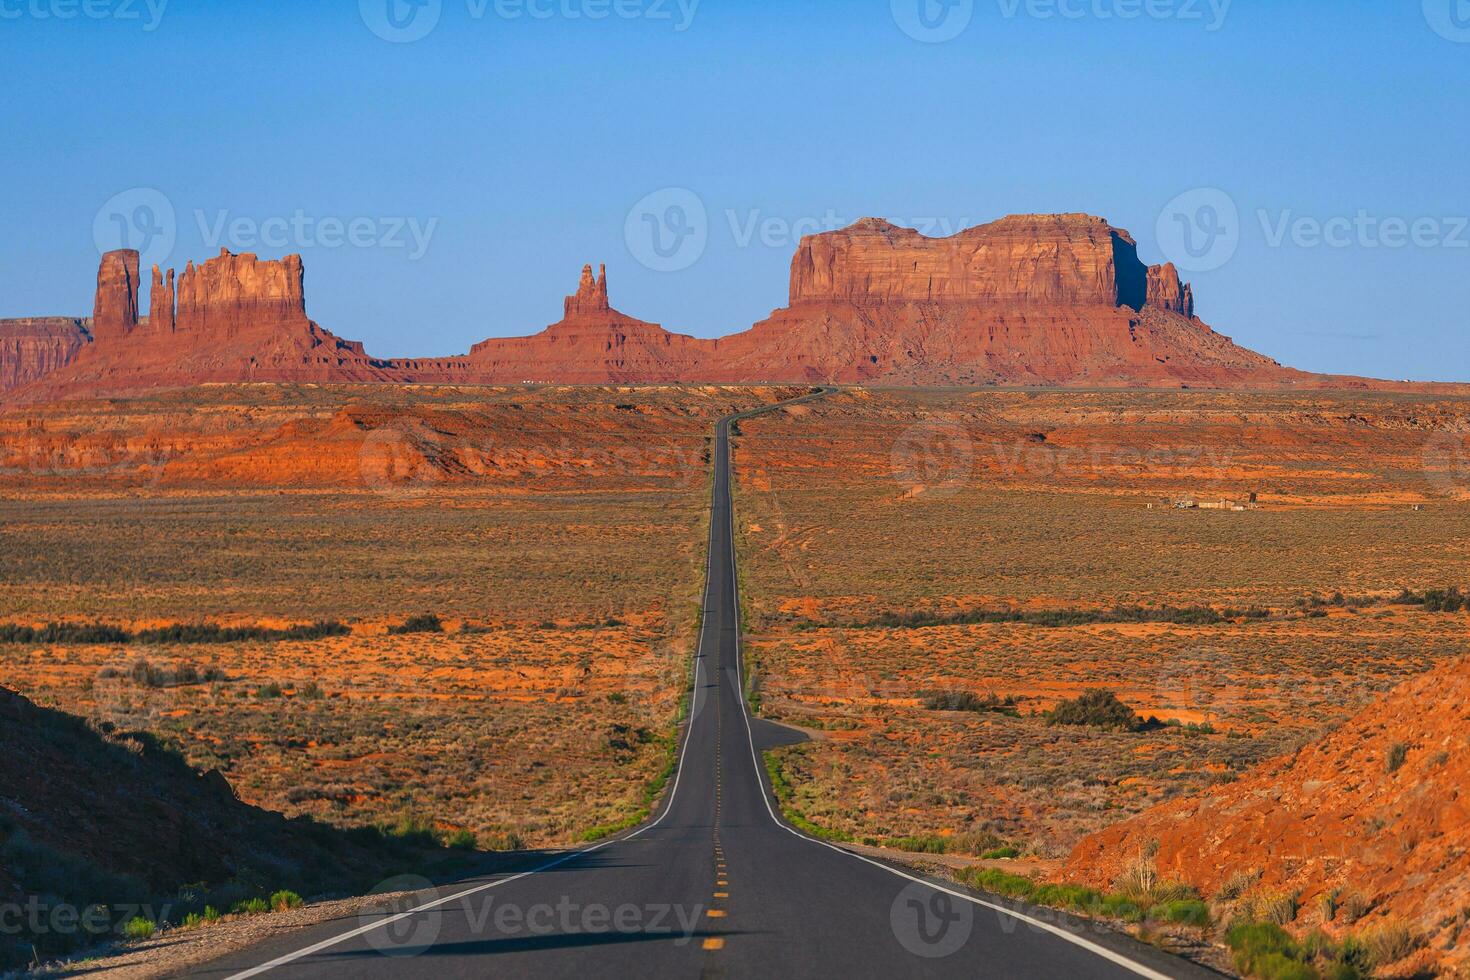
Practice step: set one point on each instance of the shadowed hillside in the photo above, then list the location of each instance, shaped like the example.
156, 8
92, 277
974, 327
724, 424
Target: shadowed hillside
99, 827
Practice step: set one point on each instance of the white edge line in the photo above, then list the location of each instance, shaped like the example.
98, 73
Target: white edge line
563, 859
1087, 944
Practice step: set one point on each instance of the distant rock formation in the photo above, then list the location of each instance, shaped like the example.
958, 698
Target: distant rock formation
1058, 260
590, 299
1166, 292
592, 344
33, 347
231, 295
161, 309
115, 310
232, 318
1027, 300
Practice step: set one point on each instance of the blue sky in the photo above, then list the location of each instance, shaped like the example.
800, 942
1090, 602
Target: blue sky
479, 166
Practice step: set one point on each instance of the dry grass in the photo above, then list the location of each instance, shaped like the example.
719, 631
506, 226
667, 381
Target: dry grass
557, 532
842, 521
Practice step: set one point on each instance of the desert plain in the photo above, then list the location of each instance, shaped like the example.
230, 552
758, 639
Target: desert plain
470, 610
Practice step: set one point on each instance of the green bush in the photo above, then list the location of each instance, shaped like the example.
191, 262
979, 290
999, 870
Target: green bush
1096, 708
1122, 907
1388, 943
283, 900
1397, 753
925, 844
999, 882
1001, 853
1265, 950
251, 906
1184, 911
461, 840
63, 633
967, 701
1075, 897
139, 928
418, 624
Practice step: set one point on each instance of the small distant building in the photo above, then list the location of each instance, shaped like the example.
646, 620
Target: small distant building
1190, 503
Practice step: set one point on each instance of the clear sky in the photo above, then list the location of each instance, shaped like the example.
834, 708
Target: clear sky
480, 165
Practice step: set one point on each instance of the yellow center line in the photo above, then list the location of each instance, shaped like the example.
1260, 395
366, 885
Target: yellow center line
722, 894
716, 913
714, 943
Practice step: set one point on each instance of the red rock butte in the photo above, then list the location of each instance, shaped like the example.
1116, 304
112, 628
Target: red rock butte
1050, 300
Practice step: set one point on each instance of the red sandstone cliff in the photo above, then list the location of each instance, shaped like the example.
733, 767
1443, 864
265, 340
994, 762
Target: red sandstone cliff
232, 318
1026, 300
592, 344
115, 310
33, 347
1029, 299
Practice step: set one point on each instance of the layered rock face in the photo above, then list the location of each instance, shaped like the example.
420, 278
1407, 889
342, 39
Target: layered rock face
33, 347
1066, 259
232, 318
161, 307
115, 310
234, 294
1166, 292
1028, 299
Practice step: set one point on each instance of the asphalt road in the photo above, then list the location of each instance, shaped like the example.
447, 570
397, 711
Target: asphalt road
715, 885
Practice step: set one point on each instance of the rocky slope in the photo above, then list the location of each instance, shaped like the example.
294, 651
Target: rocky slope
33, 347
1377, 810
1026, 300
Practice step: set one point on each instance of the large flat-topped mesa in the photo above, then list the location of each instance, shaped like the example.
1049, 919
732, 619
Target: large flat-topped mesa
1072, 259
